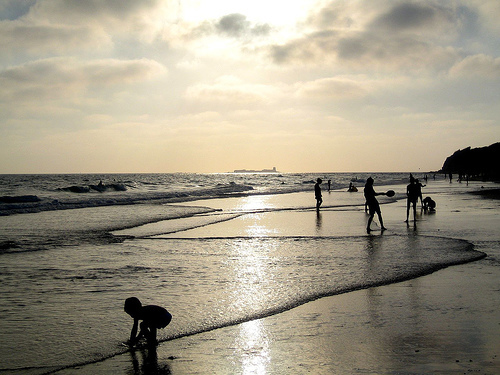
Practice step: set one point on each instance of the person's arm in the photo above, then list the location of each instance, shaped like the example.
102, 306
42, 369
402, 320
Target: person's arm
133, 333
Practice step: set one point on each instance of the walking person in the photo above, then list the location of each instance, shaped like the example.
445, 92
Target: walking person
373, 205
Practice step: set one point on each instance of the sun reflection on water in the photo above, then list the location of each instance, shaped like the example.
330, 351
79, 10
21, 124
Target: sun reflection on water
252, 265
256, 226
251, 268
255, 203
254, 344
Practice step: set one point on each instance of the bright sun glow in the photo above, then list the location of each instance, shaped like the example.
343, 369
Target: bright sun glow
256, 11
210, 86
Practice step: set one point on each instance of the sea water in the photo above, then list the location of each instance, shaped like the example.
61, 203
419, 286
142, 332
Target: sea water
72, 252
35, 193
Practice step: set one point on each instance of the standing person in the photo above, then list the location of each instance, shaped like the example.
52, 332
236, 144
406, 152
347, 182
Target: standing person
373, 205
411, 198
419, 191
153, 318
329, 184
317, 193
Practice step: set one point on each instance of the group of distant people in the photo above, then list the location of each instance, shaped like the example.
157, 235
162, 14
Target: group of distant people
372, 206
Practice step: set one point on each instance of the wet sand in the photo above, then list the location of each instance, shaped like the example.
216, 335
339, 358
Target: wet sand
446, 323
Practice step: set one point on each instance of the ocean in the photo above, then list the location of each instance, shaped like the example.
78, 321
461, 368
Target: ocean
74, 247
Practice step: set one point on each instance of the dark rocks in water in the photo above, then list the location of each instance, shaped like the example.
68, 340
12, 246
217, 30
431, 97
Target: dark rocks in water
119, 187
8, 245
77, 189
19, 199
479, 163
101, 188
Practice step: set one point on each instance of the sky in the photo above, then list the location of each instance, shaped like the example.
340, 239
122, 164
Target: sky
116, 86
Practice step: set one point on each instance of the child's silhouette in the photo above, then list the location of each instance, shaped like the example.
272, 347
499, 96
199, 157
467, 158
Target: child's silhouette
153, 318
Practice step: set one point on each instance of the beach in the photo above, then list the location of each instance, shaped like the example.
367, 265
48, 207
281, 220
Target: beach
444, 322
197, 187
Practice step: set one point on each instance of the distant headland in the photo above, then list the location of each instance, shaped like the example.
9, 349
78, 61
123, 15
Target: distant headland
475, 163
256, 171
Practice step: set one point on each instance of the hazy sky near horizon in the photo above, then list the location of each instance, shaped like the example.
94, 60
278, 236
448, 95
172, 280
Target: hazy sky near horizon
212, 86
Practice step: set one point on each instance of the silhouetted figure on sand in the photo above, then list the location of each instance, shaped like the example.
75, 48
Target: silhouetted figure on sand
329, 184
419, 191
411, 198
429, 204
373, 205
317, 193
153, 318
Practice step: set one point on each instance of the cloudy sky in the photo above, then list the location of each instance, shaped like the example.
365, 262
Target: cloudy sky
217, 85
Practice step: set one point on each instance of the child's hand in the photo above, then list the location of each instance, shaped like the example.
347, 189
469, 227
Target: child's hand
128, 343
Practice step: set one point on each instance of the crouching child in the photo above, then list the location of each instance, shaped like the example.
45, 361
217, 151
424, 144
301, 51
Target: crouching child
152, 317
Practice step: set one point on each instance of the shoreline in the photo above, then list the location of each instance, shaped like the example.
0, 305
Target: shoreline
402, 328
435, 323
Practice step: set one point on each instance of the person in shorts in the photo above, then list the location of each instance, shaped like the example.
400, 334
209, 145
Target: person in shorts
412, 195
373, 205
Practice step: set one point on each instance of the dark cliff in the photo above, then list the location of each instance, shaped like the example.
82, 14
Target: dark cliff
481, 162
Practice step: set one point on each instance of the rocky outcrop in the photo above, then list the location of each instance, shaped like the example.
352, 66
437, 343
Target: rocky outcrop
481, 162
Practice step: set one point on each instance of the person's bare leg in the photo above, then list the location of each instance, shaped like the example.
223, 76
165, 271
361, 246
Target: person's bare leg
368, 230
381, 221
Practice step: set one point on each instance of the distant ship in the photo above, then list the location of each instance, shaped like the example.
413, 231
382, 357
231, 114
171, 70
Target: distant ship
255, 171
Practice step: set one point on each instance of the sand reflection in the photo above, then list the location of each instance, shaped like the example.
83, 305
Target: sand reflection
148, 363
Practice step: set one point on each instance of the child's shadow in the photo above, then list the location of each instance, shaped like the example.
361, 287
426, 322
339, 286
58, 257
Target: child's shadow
148, 363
